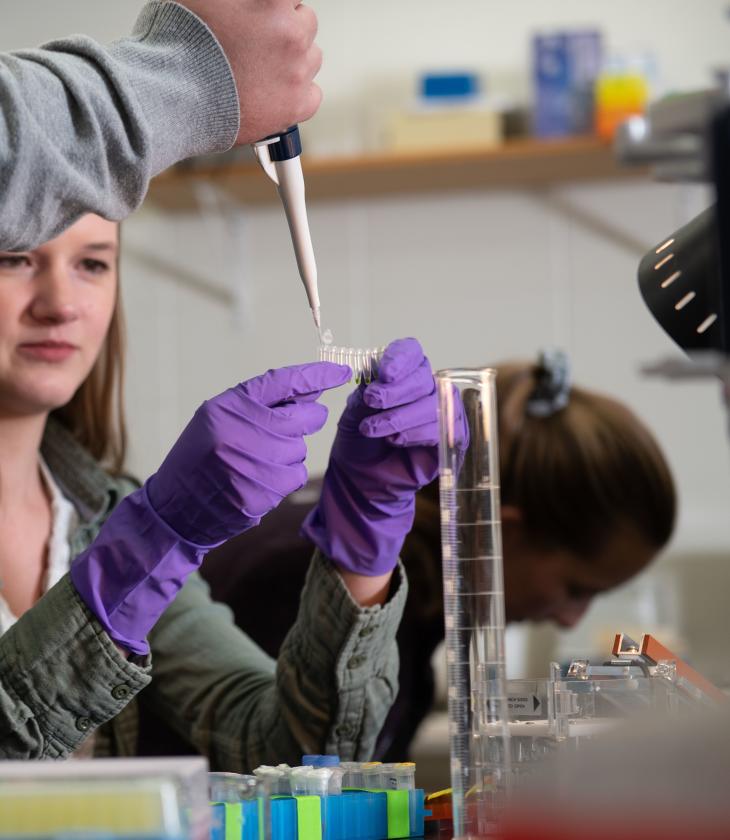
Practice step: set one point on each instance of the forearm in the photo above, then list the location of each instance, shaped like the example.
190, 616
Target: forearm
339, 664
60, 678
365, 590
83, 128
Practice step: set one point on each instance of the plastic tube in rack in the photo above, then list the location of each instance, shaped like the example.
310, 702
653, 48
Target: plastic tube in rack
400, 776
352, 776
318, 781
277, 779
335, 787
371, 775
299, 780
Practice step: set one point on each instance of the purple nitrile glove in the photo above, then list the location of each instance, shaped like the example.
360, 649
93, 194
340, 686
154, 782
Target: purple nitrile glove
239, 456
384, 451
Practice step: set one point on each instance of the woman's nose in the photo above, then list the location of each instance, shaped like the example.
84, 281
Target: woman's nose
54, 301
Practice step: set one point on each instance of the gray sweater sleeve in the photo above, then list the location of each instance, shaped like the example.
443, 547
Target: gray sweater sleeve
83, 128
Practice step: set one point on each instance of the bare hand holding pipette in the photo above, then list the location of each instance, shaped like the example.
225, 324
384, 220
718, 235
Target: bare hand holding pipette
270, 47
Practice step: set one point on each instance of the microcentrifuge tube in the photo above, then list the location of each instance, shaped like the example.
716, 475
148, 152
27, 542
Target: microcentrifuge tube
364, 362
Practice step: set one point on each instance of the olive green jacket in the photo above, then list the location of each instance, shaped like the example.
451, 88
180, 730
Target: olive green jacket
61, 677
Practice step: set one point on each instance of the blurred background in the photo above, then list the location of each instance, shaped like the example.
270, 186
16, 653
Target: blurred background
462, 190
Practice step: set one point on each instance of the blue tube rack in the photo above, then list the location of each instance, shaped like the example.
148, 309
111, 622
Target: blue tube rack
351, 815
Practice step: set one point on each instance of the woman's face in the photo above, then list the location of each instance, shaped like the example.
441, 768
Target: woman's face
56, 303
557, 585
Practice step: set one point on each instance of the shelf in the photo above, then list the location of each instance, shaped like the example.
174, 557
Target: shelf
517, 164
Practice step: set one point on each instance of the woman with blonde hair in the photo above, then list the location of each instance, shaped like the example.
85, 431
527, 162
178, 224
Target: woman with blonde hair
101, 600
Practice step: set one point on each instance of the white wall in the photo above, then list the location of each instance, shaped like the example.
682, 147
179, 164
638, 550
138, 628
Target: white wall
34, 22
385, 38
478, 277
366, 41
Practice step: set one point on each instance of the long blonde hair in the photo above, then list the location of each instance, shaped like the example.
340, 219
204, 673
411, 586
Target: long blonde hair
95, 413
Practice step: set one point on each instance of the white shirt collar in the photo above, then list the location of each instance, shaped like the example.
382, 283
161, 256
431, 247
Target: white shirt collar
64, 520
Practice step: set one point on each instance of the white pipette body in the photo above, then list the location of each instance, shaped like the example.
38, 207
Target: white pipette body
291, 190
284, 168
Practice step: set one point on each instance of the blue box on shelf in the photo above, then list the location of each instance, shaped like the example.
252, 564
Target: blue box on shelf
452, 86
565, 67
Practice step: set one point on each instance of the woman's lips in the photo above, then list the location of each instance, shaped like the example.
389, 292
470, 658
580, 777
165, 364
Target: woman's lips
47, 351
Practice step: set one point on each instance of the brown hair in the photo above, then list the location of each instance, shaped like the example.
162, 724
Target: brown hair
95, 413
579, 473
575, 476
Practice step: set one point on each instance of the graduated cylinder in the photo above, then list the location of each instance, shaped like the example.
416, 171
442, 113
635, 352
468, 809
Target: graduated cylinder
474, 620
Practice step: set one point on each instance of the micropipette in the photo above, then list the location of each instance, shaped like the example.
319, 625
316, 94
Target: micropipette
279, 156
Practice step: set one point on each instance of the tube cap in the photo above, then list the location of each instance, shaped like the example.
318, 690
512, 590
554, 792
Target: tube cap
321, 760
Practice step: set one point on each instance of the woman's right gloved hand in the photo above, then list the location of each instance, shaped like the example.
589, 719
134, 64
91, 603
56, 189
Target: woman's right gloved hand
239, 456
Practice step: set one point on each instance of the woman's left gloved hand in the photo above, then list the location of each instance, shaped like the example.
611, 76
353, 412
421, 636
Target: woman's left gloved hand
385, 450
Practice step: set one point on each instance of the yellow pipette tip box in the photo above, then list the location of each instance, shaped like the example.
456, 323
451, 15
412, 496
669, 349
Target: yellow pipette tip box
161, 799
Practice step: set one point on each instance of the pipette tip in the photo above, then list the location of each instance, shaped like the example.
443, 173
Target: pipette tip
317, 320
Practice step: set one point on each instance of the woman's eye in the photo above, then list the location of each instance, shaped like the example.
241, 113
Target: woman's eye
94, 266
10, 261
